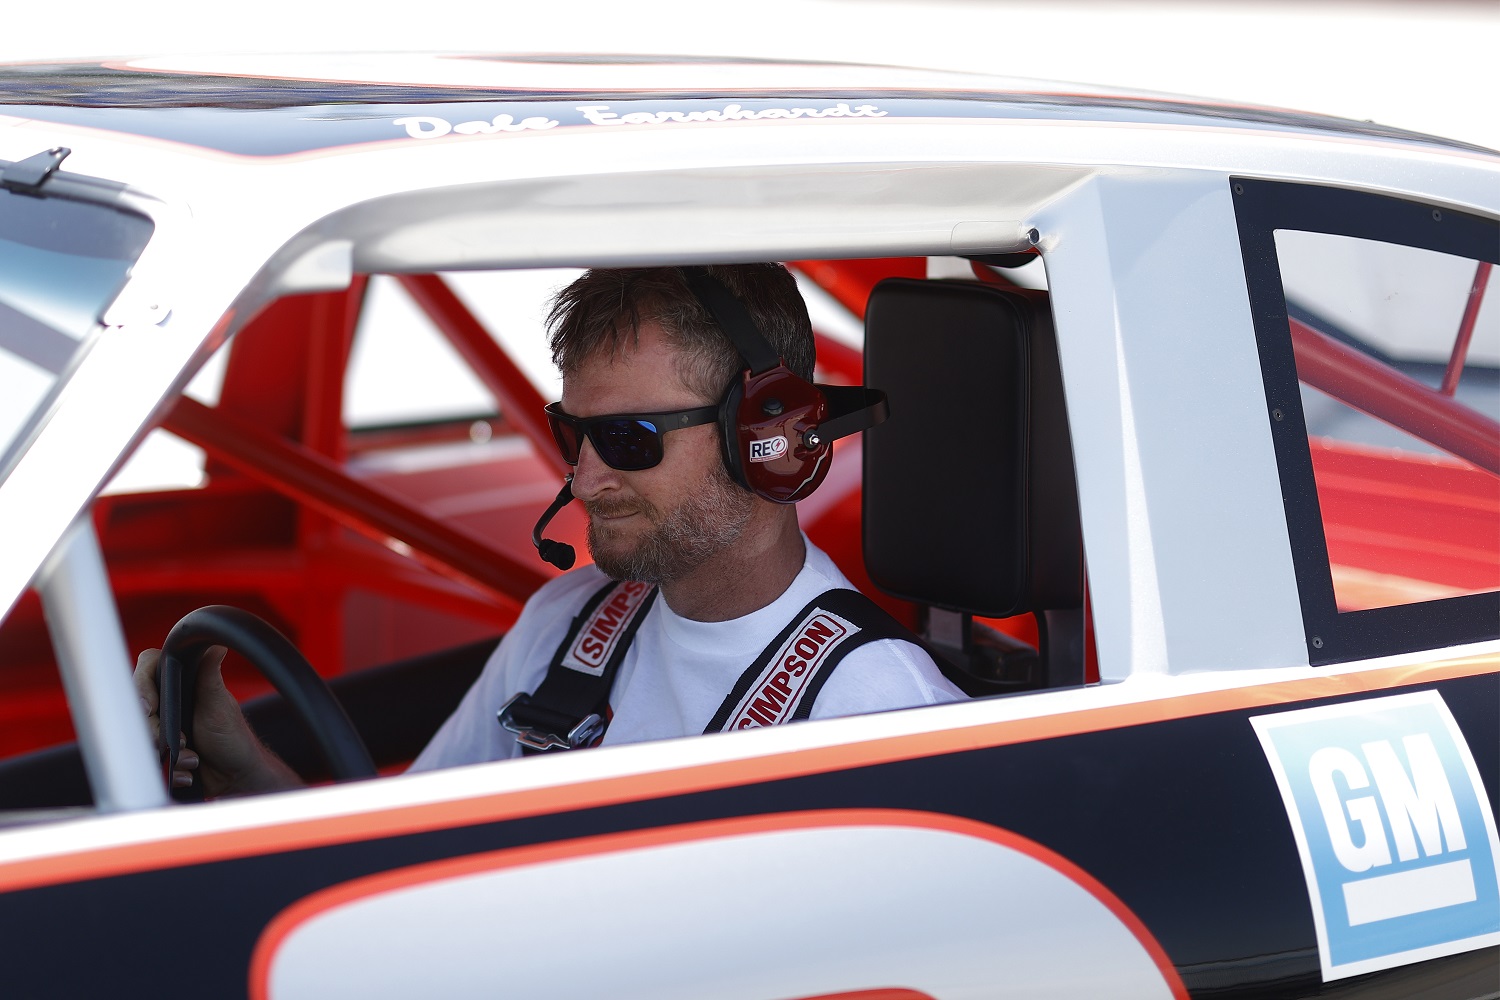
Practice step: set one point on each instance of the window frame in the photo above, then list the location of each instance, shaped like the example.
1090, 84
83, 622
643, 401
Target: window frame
1261, 208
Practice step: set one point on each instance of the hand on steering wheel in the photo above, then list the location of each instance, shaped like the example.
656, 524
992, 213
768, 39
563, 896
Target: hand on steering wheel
226, 757
279, 661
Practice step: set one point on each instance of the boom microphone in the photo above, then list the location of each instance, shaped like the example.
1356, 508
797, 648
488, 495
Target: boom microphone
559, 554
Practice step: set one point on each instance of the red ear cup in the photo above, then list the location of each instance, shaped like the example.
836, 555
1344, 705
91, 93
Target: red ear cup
767, 423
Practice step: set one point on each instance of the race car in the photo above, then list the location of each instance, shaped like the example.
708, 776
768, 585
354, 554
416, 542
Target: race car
1191, 480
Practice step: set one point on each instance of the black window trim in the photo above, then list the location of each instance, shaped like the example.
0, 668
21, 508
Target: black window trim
1261, 208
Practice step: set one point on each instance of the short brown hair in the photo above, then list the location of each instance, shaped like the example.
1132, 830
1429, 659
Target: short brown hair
607, 304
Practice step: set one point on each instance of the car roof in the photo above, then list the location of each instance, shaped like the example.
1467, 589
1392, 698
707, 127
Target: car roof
165, 98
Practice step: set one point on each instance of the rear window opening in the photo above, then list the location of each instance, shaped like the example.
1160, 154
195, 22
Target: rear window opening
1380, 350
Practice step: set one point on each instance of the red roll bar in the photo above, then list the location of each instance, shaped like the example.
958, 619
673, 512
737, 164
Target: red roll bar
1366, 384
321, 484
519, 400
1466, 329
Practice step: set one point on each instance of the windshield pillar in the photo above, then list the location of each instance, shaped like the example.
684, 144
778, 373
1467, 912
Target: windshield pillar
96, 673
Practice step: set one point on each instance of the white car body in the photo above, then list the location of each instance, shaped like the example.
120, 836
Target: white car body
1191, 566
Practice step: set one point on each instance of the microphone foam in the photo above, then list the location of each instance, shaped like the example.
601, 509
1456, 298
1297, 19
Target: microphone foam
559, 554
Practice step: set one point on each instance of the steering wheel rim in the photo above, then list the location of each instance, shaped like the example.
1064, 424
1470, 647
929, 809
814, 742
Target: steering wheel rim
278, 661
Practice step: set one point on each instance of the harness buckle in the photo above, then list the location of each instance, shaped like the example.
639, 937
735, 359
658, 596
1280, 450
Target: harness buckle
539, 727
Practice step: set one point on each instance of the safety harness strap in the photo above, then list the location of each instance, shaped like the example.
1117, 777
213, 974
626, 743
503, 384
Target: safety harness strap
571, 707
784, 681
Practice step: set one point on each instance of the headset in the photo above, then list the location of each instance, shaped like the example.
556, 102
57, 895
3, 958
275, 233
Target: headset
776, 428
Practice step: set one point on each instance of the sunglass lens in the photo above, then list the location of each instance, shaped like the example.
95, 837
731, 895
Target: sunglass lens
627, 445
569, 441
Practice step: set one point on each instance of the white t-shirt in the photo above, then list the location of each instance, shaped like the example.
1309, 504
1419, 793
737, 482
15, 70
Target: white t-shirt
677, 671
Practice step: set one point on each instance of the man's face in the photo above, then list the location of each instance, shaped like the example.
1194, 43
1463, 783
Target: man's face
655, 524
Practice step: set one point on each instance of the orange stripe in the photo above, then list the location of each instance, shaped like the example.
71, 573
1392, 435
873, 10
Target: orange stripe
170, 852
309, 907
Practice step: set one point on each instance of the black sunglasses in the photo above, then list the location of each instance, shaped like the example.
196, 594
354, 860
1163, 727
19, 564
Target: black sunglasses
627, 442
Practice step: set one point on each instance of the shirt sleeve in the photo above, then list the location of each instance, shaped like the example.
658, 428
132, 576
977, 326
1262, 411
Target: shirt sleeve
472, 733
884, 675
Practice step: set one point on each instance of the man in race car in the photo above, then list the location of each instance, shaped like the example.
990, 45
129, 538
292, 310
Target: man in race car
701, 610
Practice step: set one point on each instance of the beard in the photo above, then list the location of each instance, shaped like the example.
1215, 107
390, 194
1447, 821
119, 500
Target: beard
678, 540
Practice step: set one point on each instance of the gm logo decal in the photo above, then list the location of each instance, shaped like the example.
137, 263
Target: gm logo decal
1394, 828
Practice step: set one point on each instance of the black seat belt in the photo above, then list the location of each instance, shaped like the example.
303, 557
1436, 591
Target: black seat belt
784, 681
571, 707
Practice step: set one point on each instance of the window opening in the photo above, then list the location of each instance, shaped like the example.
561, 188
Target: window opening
1381, 360
1407, 517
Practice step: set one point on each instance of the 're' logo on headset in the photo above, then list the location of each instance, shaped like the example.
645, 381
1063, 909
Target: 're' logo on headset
766, 449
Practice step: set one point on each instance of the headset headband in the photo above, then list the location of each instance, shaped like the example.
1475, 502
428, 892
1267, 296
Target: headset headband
733, 318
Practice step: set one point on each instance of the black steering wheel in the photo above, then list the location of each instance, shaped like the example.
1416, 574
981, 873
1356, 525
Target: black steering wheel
279, 662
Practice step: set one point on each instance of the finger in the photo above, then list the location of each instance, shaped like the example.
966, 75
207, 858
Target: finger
210, 685
182, 779
145, 678
210, 668
187, 760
